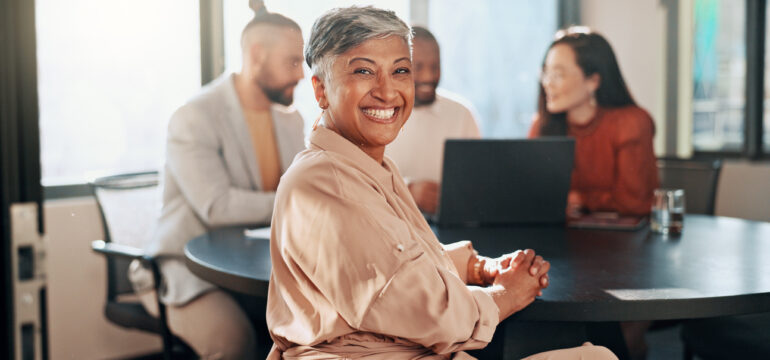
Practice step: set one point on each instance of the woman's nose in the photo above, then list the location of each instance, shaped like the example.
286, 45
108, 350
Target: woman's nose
384, 89
547, 83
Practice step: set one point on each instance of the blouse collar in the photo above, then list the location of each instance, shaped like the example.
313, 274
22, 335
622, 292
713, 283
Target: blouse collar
581, 130
331, 141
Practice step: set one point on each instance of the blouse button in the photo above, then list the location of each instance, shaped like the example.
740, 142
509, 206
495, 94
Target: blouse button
400, 247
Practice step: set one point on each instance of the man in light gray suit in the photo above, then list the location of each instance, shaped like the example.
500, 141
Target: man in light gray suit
226, 150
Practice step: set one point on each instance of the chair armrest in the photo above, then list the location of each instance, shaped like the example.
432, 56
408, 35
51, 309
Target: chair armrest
126, 252
112, 249
130, 253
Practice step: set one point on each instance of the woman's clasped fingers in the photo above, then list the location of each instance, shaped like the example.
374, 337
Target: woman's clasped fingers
545, 281
511, 260
537, 264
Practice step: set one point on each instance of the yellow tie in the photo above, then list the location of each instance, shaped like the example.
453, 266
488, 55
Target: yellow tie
261, 128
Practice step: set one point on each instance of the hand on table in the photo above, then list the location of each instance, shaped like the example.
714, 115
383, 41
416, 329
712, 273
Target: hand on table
425, 194
538, 267
517, 285
575, 205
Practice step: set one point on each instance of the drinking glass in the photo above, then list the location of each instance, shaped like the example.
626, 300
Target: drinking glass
667, 211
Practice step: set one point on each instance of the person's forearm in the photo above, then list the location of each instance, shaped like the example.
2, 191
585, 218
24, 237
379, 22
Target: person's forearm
460, 253
498, 293
240, 206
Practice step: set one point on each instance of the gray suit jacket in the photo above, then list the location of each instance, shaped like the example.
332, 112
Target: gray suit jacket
212, 178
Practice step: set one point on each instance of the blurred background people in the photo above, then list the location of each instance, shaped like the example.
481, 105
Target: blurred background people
583, 95
438, 115
226, 150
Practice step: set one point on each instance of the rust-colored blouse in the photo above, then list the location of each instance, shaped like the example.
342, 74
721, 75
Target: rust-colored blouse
614, 161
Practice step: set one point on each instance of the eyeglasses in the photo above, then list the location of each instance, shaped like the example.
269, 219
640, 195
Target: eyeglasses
556, 76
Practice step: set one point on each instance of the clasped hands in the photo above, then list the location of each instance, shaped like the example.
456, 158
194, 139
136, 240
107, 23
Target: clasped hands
538, 267
515, 279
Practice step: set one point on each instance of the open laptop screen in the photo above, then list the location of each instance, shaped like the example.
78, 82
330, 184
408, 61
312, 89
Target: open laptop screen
499, 182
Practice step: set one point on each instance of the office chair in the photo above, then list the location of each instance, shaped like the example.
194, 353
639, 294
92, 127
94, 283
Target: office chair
746, 336
699, 179
129, 206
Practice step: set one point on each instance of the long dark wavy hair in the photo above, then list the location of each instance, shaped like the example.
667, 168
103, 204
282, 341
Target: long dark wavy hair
594, 56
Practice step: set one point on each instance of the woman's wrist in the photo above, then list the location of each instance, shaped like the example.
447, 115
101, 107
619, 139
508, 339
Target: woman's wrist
473, 271
488, 270
501, 298
477, 270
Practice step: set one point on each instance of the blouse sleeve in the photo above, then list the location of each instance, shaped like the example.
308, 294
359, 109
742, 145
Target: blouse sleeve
534, 129
460, 252
360, 262
637, 174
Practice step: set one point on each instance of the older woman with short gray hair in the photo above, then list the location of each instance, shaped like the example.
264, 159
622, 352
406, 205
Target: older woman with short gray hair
357, 272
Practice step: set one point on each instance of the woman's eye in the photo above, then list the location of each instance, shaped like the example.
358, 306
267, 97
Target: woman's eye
403, 71
363, 71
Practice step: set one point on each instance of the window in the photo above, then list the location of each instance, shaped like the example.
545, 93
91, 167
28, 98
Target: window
491, 54
766, 96
237, 14
110, 74
730, 84
719, 75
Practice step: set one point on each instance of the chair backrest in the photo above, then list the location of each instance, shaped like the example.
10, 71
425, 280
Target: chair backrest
743, 190
130, 206
699, 179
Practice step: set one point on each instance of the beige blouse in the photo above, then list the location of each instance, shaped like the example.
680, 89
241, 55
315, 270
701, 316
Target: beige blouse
357, 272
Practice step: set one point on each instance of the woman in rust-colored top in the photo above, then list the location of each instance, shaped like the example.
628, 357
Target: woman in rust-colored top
583, 95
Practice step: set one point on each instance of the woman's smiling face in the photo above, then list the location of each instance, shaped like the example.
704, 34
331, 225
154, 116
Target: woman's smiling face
566, 86
370, 93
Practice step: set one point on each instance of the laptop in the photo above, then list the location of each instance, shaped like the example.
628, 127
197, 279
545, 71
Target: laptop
505, 181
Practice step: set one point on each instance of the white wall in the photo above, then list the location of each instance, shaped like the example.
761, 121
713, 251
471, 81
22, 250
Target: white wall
76, 279
636, 29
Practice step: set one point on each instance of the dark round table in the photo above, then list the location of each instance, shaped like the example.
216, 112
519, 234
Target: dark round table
717, 267
228, 258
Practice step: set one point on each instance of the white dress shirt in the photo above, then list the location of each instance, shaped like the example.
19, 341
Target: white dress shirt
418, 151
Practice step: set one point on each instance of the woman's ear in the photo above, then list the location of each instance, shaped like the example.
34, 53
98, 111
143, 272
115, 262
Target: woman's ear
319, 90
594, 81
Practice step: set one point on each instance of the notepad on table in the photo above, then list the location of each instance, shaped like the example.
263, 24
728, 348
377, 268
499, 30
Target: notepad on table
258, 233
608, 221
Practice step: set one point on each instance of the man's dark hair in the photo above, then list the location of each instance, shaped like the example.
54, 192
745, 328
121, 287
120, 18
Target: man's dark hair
423, 33
264, 17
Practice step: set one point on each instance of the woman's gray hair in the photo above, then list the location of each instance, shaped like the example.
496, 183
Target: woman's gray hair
341, 29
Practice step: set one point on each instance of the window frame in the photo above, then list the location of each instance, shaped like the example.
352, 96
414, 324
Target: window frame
753, 127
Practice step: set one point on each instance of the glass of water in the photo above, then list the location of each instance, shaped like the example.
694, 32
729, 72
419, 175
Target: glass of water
667, 211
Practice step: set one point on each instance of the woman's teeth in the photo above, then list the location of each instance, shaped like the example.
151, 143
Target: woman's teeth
380, 113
